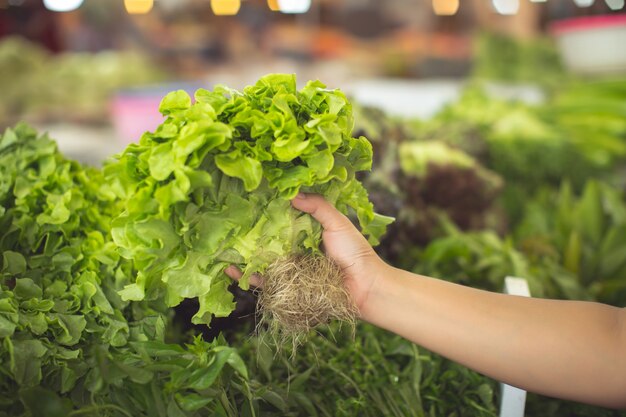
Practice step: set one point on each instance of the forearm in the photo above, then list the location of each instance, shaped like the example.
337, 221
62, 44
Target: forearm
565, 349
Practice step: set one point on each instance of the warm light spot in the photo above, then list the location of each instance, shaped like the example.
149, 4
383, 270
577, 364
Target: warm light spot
273, 5
225, 7
138, 6
445, 7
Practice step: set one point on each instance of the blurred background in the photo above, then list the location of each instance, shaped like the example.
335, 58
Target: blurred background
499, 136
92, 72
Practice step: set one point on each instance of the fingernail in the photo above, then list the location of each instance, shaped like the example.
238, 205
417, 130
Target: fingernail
301, 196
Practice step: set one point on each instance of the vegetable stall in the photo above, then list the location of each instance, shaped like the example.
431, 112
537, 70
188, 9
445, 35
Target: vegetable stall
110, 277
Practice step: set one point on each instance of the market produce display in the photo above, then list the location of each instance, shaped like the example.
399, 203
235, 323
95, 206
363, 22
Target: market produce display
95, 261
556, 220
92, 262
500, 57
69, 341
419, 180
40, 87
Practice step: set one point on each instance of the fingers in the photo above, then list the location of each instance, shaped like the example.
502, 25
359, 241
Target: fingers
234, 273
329, 217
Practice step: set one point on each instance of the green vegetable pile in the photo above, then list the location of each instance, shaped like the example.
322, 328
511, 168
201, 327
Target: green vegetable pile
92, 261
69, 343
420, 179
60, 269
87, 278
503, 58
211, 187
369, 373
40, 87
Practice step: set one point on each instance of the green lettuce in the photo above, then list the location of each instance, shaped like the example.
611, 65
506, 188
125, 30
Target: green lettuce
68, 342
59, 269
211, 186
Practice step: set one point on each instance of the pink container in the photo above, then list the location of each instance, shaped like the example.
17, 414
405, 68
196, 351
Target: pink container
593, 45
132, 116
136, 111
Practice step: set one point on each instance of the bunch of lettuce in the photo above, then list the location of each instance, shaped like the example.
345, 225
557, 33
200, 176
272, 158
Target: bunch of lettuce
59, 270
68, 342
211, 187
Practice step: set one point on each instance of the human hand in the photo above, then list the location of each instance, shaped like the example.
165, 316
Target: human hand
343, 243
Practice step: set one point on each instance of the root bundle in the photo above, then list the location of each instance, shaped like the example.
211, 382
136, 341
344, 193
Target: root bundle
301, 292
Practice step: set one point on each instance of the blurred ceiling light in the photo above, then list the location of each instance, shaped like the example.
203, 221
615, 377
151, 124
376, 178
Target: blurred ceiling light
615, 4
225, 7
584, 3
445, 7
294, 6
273, 5
62, 5
506, 7
138, 6
538, 1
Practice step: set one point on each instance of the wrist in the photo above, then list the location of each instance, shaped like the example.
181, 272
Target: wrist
381, 289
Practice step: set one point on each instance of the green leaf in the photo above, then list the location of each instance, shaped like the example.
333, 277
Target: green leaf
13, 263
573, 253
173, 410
133, 292
26, 361
290, 146
193, 402
35, 322
218, 301
590, 213
162, 161
155, 348
7, 327
236, 165
41, 402
203, 378
68, 328
320, 162
174, 101
136, 374
237, 363
26, 288
57, 211
192, 278
275, 399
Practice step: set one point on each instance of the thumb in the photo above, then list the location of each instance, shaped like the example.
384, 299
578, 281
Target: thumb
331, 219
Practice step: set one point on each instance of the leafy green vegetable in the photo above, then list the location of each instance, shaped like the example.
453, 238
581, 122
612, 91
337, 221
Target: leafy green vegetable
60, 271
370, 372
211, 186
38, 86
483, 259
586, 235
507, 59
68, 340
